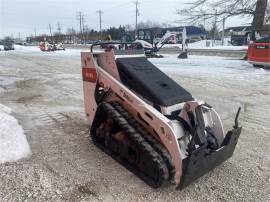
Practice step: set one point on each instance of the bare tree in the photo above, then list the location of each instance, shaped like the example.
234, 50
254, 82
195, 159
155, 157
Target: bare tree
152, 24
166, 25
267, 14
259, 15
221, 9
148, 24
71, 31
129, 28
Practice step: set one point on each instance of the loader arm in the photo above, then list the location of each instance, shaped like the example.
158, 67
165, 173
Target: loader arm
163, 40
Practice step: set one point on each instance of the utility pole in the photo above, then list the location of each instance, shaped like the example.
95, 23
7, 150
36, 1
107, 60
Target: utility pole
59, 28
215, 27
35, 29
58, 31
223, 30
83, 26
137, 14
204, 16
50, 29
80, 17
86, 32
100, 12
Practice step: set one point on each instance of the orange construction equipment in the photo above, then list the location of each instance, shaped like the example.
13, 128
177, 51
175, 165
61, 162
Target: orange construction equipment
259, 53
45, 46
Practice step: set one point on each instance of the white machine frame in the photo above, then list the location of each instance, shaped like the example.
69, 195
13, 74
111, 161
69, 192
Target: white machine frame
101, 70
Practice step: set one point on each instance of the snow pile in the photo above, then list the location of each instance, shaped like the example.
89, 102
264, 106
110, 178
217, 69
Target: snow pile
69, 52
13, 143
211, 44
36, 50
172, 45
26, 48
210, 67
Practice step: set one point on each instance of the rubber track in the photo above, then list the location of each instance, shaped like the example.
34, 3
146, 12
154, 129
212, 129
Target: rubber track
149, 138
136, 137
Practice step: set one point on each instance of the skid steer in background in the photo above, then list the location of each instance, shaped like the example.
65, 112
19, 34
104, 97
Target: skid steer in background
149, 123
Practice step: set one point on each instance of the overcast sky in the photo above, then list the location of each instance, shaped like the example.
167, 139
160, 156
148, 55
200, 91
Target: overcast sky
23, 16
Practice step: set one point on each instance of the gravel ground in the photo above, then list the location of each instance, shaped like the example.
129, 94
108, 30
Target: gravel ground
45, 92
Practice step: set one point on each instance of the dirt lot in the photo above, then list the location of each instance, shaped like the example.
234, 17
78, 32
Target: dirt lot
45, 92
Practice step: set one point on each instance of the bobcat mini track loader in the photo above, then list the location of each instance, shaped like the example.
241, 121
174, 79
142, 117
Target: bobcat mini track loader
150, 124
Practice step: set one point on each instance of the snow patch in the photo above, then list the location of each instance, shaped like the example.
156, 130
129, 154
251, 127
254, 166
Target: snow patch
5, 109
36, 50
211, 44
69, 52
13, 143
215, 67
172, 45
2, 90
20, 48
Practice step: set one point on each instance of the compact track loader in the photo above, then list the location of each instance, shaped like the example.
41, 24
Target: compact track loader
149, 123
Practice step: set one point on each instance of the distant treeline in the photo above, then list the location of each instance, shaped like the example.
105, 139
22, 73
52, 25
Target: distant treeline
86, 36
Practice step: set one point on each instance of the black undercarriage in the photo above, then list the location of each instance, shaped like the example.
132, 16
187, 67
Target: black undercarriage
117, 133
120, 135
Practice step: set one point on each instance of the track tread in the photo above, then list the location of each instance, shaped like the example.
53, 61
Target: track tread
149, 138
120, 115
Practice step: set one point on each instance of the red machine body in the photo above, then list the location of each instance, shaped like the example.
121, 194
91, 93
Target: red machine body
259, 53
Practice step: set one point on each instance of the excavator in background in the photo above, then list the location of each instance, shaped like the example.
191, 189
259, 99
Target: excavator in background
148, 122
151, 45
151, 50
